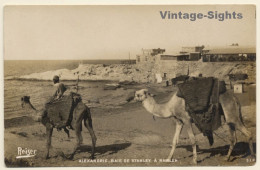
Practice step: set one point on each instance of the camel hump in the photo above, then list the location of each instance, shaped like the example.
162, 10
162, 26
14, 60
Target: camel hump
201, 97
60, 111
198, 92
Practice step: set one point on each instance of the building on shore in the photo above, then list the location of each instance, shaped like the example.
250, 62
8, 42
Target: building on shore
193, 53
186, 54
168, 65
149, 55
229, 54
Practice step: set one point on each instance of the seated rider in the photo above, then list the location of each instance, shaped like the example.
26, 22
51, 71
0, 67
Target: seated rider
60, 88
59, 91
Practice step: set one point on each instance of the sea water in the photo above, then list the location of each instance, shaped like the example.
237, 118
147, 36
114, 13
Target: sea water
92, 92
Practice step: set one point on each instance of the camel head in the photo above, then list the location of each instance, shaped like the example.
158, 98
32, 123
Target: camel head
141, 95
25, 103
25, 100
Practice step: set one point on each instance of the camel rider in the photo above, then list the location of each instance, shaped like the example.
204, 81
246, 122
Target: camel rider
60, 88
58, 93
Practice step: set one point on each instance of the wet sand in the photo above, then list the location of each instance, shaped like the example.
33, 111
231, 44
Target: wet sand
128, 136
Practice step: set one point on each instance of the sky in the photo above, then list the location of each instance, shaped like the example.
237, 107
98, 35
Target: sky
117, 32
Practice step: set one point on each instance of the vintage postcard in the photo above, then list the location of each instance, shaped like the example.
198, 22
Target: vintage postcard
129, 85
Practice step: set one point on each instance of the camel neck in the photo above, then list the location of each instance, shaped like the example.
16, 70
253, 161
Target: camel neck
149, 104
152, 107
30, 106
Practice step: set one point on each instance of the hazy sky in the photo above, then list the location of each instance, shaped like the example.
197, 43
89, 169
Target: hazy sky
111, 32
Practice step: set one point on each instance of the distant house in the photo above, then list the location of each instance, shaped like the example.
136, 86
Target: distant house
229, 54
167, 64
192, 49
168, 57
186, 54
194, 53
148, 55
195, 56
177, 57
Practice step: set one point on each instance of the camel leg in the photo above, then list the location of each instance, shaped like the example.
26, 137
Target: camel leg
49, 130
176, 137
80, 135
193, 141
78, 138
232, 112
88, 125
232, 139
67, 131
247, 133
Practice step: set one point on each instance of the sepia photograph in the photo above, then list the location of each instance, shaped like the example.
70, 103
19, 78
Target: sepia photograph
129, 85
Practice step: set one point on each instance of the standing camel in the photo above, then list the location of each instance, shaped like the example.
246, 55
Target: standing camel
80, 113
175, 109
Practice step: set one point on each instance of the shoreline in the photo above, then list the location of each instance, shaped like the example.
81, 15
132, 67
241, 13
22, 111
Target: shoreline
128, 105
142, 73
64, 80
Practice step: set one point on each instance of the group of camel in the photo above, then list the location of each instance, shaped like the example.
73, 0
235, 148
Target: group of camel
174, 109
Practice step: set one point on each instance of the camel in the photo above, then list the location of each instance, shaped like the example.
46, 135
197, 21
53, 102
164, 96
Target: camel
80, 113
175, 109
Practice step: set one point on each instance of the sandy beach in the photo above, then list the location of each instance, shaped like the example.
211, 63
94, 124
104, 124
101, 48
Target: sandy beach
129, 136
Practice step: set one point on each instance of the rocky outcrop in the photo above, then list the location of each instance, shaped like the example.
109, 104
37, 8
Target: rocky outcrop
117, 72
145, 73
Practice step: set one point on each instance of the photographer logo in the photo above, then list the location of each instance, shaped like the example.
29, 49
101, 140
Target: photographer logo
25, 153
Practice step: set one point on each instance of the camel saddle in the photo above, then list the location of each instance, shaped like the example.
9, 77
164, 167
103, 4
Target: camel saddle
201, 97
60, 111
